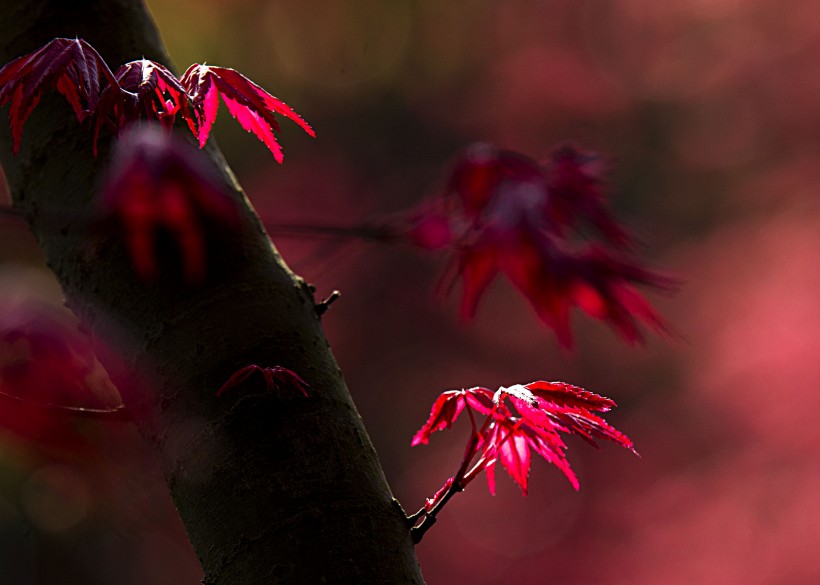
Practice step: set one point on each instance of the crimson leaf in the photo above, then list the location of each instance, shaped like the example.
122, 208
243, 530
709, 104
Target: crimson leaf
72, 66
142, 88
448, 406
274, 377
252, 106
521, 419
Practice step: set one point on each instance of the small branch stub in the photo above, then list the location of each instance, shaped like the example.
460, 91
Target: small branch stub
322, 306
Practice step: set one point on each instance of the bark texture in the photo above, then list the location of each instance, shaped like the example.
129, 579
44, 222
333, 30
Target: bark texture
272, 487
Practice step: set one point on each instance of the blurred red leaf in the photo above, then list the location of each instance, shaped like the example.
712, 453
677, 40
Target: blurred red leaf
575, 181
47, 372
157, 182
502, 212
482, 169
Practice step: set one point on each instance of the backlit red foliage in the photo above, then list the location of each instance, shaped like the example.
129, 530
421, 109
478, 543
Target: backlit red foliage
144, 89
252, 106
504, 213
520, 420
139, 89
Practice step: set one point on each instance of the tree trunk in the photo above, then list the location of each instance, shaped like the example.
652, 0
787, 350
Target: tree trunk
272, 487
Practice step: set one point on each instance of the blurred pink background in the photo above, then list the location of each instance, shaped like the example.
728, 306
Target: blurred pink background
710, 109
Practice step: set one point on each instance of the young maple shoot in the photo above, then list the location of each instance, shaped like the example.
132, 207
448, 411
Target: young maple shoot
518, 420
143, 88
154, 182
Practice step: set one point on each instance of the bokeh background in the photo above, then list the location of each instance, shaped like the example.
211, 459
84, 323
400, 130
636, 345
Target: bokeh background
710, 110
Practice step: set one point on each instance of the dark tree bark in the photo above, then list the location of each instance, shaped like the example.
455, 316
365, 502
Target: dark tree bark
272, 487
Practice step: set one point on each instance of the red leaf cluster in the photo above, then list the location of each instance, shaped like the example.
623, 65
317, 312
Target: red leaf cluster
548, 229
143, 89
157, 183
519, 420
138, 89
275, 378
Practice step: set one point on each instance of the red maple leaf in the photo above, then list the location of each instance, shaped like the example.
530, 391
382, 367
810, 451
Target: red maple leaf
157, 182
510, 441
575, 180
252, 106
555, 277
143, 88
274, 377
448, 406
72, 66
545, 408
482, 169
561, 394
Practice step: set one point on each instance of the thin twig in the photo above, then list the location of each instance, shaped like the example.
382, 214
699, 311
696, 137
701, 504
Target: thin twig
376, 233
115, 414
460, 480
417, 532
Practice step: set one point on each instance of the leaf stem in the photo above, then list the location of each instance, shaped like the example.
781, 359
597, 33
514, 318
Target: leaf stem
460, 481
